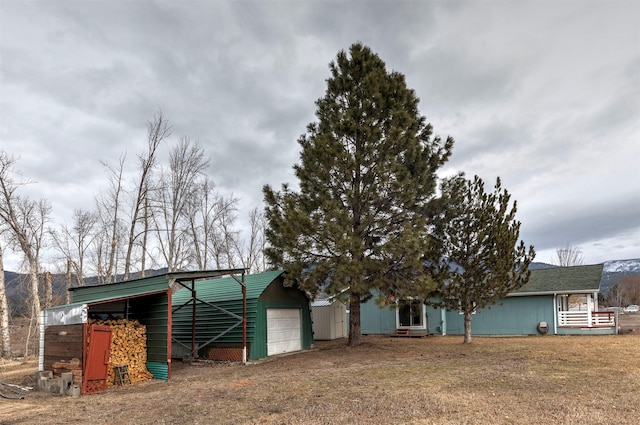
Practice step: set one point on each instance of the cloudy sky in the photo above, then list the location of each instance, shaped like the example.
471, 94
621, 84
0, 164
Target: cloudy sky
544, 94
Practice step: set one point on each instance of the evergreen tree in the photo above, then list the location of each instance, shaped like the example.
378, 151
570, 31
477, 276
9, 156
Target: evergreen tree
367, 175
480, 258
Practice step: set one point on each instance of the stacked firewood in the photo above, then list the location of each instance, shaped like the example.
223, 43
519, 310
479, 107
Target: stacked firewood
128, 347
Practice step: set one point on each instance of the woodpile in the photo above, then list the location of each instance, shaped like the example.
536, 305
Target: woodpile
128, 347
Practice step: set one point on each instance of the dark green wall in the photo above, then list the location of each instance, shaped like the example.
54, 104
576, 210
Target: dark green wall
264, 291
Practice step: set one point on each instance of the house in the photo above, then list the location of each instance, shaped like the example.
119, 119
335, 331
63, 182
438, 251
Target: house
208, 318
69, 337
558, 300
329, 319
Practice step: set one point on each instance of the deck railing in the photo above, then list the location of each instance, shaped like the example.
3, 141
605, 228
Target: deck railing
597, 319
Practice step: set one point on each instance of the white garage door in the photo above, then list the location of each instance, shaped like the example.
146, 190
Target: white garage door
283, 330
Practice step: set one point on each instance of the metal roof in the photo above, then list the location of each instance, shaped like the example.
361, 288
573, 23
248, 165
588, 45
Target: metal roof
140, 287
227, 288
575, 279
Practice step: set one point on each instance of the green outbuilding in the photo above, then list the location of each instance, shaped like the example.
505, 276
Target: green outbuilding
213, 319
68, 333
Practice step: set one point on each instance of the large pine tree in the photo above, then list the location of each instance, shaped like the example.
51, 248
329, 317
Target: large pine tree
481, 260
367, 175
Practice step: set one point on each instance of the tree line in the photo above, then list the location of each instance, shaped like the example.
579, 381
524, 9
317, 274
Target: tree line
170, 216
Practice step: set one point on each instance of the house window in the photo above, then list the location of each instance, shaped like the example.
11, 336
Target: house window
575, 302
411, 313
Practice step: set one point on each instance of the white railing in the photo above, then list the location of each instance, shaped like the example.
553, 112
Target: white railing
587, 319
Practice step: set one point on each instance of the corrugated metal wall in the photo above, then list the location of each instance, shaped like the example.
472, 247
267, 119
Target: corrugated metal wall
264, 290
153, 312
211, 322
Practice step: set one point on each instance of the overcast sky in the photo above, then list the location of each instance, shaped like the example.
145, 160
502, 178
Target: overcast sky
544, 94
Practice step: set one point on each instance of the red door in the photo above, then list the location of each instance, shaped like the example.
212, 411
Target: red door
94, 378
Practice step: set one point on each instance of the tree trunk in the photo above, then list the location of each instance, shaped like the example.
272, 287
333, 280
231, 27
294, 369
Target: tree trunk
35, 294
467, 327
48, 290
355, 333
68, 285
4, 314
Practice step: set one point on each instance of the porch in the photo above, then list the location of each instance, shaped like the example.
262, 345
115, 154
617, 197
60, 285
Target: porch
586, 319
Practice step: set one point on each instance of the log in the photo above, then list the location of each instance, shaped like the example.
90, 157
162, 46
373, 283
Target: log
128, 347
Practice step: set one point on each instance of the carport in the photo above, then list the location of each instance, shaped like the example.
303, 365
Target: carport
66, 330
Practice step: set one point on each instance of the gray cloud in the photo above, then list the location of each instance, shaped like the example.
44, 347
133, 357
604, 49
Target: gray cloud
529, 90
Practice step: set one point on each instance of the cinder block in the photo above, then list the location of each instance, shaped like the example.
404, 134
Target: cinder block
42, 380
67, 381
74, 391
56, 386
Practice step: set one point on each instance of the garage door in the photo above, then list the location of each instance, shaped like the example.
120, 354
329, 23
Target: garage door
283, 330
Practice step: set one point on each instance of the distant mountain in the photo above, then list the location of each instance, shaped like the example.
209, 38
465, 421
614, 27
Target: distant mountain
615, 270
539, 266
17, 287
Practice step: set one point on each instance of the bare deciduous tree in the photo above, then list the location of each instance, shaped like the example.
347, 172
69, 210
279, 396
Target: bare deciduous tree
568, 255
205, 212
157, 130
251, 251
179, 185
5, 335
110, 238
626, 291
26, 221
74, 243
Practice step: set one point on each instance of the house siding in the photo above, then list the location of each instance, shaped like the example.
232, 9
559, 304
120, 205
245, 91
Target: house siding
511, 316
377, 320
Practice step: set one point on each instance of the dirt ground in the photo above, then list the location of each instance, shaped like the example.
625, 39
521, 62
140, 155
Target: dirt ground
435, 380
629, 323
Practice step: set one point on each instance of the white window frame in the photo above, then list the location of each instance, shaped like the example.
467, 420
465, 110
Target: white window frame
423, 314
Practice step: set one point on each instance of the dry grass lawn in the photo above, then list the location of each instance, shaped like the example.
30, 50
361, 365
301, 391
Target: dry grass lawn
435, 380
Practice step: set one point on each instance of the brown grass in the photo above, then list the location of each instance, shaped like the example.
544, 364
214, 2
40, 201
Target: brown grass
436, 380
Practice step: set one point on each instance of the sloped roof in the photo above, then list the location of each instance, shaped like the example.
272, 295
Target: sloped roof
227, 288
142, 286
575, 279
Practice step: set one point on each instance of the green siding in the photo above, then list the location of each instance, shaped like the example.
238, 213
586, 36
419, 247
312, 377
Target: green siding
259, 346
159, 370
127, 289
153, 312
263, 289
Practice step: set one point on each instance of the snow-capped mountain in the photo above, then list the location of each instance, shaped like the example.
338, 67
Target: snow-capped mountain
614, 271
621, 266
